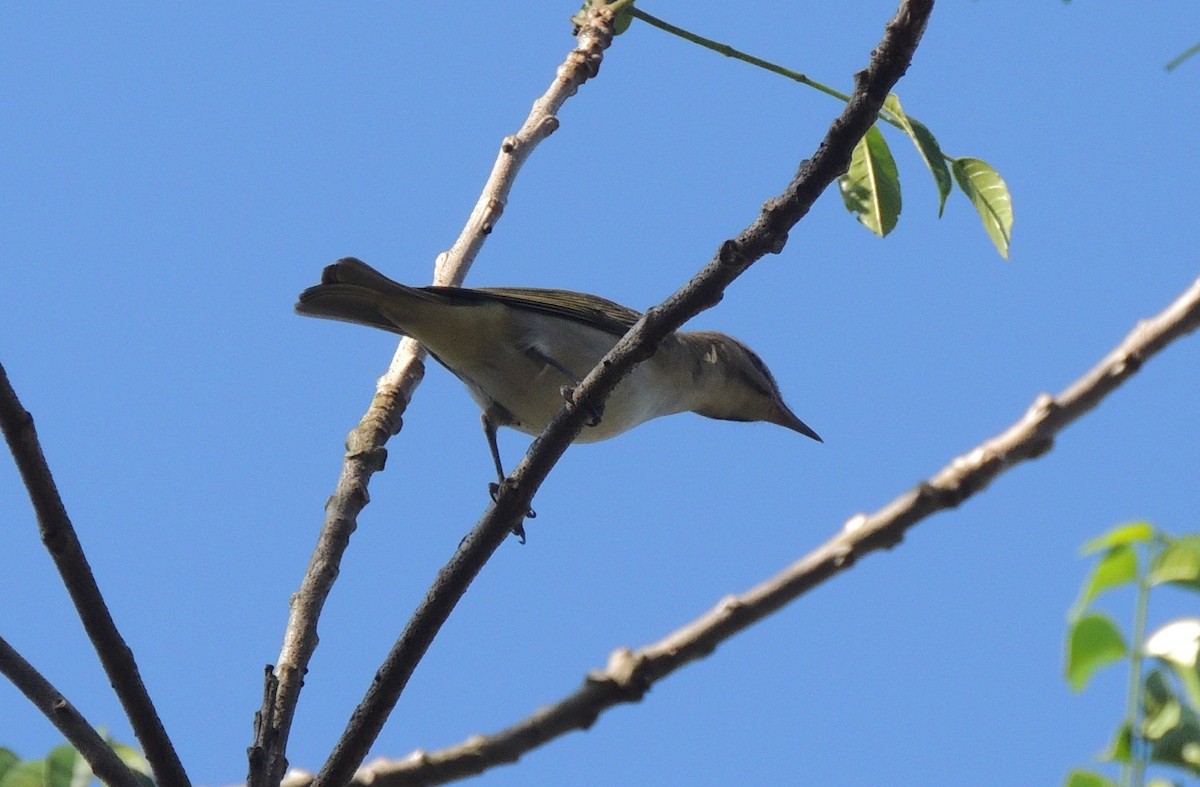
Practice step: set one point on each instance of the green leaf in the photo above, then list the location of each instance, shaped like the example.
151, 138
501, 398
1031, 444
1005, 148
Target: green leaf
1118, 567
623, 20
927, 146
1129, 533
1157, 691
1166, 715
8, 758
990, 196
1189, 678
1121, 749
871, 187
1178, 563
1170, 727
1093, 641
1088, 779
26, 773
66, 767
134, 759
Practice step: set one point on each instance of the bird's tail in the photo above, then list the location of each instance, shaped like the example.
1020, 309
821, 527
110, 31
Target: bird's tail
352, 291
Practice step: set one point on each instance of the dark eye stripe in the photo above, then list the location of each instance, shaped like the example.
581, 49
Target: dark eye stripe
771, 388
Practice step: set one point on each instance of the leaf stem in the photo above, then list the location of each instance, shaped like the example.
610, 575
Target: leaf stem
1178, 61
728, 51
1133, 772
736, 54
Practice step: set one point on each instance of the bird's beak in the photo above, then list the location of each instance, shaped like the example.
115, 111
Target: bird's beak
782, 416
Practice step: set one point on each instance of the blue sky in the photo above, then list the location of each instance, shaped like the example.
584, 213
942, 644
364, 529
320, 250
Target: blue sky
175, 174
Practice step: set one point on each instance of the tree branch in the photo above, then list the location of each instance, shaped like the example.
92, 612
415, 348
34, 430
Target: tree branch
767, 234
100, 757
365, 452
629, 675
58, 534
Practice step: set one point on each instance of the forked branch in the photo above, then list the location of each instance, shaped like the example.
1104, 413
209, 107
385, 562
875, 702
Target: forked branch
767, 234
630, 674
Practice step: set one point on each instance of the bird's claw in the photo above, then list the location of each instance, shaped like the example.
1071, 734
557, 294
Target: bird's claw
595, 411
518, 529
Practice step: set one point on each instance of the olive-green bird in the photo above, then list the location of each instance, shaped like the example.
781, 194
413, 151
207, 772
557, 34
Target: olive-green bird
516, 348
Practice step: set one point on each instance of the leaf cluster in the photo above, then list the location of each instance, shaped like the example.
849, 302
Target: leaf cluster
1162, 719
871, 187
63, 766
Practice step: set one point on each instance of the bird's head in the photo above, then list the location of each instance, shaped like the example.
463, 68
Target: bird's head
733, 384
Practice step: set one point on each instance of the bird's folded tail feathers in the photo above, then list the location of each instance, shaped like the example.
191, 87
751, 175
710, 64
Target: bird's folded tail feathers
351, 270
352, 291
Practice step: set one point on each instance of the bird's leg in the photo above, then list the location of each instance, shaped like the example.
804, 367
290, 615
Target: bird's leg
568, 391
489, 431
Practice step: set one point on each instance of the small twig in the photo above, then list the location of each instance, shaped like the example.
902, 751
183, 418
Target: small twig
767, 234
58, 534
1178, 60
736, 54
264, 731
783, 71
365, 452
100, 757
629, 675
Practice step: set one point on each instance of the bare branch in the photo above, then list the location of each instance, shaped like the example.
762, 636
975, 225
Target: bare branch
58, 534
767, 234
103, 761
365, 453
629, 675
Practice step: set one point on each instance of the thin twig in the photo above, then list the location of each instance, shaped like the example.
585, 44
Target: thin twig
630, 674
767, 234
100, 757
365, 452
736, 54
1178, 60
58, 534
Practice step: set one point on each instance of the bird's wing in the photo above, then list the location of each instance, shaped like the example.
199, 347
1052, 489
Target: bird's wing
590, 309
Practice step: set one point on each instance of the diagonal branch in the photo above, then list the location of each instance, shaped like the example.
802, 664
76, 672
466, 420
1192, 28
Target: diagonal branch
99, 756
767, 234
630, 674
58, 534
365, 453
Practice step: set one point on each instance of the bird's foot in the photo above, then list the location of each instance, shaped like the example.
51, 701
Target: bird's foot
595, 411
518, 529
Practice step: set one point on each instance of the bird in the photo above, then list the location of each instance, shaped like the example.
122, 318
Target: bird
519, 351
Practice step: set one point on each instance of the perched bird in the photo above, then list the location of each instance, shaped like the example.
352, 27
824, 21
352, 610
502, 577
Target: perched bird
516, 349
